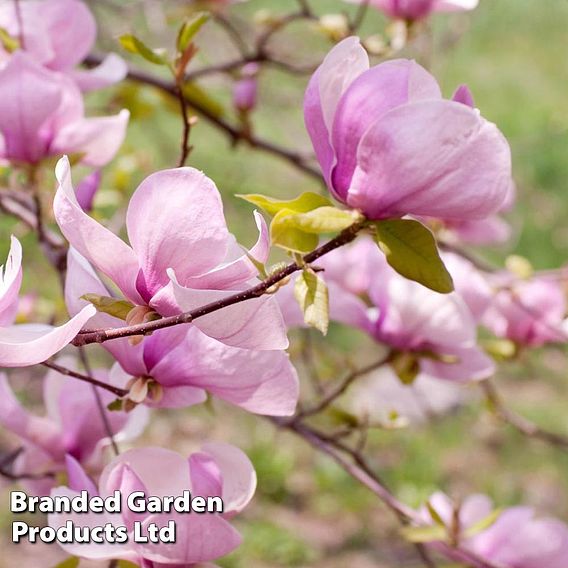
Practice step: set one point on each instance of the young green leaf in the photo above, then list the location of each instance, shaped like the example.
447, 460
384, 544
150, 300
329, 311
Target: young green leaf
117, 308
189, 29
289, 237
483, 524
134, 45
405, 366
194, 94
325, 219
411, 250
311, 294
424, 534
308, 201
434, 514
9, 42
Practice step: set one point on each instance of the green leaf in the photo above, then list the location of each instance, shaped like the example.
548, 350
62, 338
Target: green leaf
411, 250
117, 308
308, 201
311, 294
289, 237
196, 96
325, 219
134, 45
10, 43
71, 562
125, 564
189, 29
434, 514
483, 524
116, 405
424, 534
406, 367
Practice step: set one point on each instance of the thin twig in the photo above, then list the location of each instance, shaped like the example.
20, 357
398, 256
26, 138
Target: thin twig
520, 423
69, 373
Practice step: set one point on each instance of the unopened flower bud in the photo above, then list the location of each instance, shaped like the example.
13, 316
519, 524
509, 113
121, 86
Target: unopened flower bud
245, 89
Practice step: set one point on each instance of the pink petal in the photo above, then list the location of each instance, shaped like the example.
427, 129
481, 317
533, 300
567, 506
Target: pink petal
25, 345
463, 95
98, 245
87, 189
455, 5
125, 480
78, 480
237, 270
472, 365
30, 96
206, 477
252, 324
237, 473
113, 69
339, 69
365, 102
175, 220
97, 139
10, 282
434, 158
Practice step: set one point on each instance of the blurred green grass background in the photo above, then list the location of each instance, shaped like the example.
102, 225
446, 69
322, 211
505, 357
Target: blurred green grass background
512, 53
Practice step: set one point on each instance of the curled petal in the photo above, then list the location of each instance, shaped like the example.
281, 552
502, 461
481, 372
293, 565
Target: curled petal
112, 70
25, 345
10, 282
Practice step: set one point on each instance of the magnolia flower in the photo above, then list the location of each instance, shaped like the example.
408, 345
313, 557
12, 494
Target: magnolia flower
528, 312
22, 345
177, 366
390, 145
418, 9
438, 330
59, 34
72, 426
517, 539
181, 257
218, 470
380, 396
42, 115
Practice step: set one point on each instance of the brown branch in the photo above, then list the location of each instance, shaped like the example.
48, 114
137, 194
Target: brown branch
296, 159
101, 335
185, 148
95, 382
520, 423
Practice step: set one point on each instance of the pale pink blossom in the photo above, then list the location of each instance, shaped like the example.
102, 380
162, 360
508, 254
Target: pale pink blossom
390, 145
42, 115
59, 34
22, 345
181, 255
438, 329
529, 312
418, 9
517, 539
218, 470
72, 426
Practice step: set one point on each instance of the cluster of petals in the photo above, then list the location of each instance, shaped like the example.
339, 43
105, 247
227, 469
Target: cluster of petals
390, 145
43, 115
181, 255
517, 539
417, 9
404, 315
529, 312
22, 345
58, 35
186, 363
218, 470
72, 426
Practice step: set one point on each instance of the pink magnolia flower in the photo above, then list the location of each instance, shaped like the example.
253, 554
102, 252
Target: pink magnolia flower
390, 145
181, 257
42, 115
438, 329
528, 312
72, 426
185, 364
418, 9
22, 345
59, 34
517, 539
218, 470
